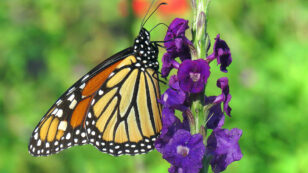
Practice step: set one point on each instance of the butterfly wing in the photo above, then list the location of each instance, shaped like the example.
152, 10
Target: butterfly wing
64, 124
124, 116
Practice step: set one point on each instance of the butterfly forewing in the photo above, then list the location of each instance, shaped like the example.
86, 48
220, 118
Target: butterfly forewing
62, 126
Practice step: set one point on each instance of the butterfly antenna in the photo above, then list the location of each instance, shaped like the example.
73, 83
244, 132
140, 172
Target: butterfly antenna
147, 13
165, 41
159, 5
158, 25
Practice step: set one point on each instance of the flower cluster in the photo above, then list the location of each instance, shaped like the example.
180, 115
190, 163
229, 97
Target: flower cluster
186, 150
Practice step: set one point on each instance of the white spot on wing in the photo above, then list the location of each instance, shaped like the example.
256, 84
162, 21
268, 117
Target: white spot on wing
54, 111
100, 92
36, 136
93, 101
39, 142
71, 90
68, 136
82, 86
85, 77
73, 104
62, 125
111, 74
71, 97
59, 113
59, 102
83, 134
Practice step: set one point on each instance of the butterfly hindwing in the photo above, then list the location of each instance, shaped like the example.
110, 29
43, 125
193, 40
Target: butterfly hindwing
125, 117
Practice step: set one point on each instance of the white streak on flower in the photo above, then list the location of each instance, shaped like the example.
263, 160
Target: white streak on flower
182, 150
194, 76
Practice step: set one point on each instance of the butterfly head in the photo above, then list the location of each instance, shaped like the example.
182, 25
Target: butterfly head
145, 50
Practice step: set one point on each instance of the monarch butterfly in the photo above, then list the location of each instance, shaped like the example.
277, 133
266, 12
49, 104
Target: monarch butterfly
113, 107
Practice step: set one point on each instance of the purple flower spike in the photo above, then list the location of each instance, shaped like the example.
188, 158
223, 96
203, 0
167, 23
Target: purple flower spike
223, 145
185, 152
225, 96
221, 53
175, 41
193, 75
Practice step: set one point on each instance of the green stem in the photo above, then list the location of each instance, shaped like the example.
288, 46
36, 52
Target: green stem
199, 34
206, 164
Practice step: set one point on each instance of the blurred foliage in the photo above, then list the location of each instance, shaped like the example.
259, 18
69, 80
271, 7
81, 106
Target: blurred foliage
46, 45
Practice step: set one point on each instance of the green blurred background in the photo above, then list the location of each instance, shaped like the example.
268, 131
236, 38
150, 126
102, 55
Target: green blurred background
46, 45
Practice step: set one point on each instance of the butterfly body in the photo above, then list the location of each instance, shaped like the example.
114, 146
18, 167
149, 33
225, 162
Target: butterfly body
113, 107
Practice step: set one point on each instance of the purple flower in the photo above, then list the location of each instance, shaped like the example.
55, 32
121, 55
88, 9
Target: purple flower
216, 117
185, 151
170, 125
223, 145
177, 45
173, 98
193, 75
168, 64
174, 169
225, 96
174, 82
175, 41
221, 53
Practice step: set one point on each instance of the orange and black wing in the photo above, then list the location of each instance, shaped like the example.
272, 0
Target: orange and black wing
125, 116
64, 124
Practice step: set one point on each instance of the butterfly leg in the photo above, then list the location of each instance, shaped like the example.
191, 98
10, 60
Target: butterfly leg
158, 79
